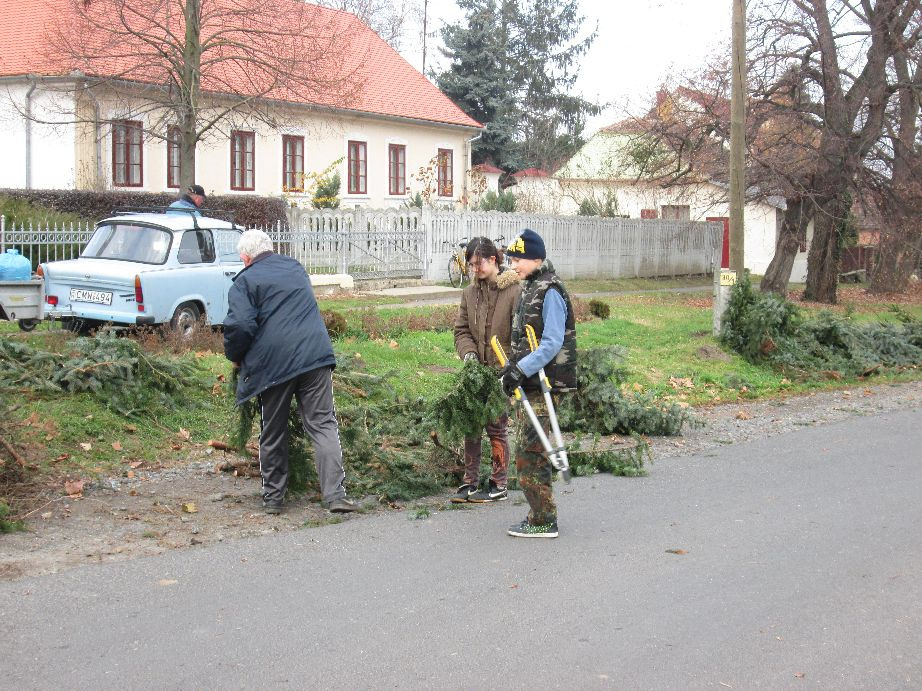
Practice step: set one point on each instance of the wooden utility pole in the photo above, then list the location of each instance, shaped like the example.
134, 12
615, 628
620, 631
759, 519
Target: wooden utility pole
425, 29
738, 138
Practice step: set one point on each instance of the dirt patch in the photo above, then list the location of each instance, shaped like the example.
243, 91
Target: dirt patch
709, 352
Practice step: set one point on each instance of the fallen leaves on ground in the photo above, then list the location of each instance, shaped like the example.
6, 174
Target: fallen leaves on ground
74, 488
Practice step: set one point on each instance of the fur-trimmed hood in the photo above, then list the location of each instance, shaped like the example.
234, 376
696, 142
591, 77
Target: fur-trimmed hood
505, 278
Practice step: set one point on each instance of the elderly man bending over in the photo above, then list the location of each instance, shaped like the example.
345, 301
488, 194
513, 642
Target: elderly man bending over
275, 334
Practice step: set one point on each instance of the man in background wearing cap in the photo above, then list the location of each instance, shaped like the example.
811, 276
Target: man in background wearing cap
193, 198
545, 305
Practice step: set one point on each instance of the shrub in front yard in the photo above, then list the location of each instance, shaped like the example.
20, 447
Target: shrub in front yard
766, 328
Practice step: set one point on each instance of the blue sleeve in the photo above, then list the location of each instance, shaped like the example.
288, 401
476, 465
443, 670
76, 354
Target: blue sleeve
554, 314
240, 322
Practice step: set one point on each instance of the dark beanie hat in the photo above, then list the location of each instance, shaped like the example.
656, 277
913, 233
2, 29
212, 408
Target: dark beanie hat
197, 189
528, 245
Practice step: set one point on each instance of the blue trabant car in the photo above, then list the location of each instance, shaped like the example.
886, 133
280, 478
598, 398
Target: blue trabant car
144, 269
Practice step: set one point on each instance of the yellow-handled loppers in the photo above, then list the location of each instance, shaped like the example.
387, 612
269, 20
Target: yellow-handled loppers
560, 451
557, 456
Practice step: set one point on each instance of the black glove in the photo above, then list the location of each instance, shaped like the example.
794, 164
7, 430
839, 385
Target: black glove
511, 378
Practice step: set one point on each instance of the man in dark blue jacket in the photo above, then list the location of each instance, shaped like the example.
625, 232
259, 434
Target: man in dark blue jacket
275, 334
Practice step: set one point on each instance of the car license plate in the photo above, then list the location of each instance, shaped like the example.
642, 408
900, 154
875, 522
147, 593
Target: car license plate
95, 296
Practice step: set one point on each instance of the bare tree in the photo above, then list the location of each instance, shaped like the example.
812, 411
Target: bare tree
821, 77
388, 18
199, 65
840, 52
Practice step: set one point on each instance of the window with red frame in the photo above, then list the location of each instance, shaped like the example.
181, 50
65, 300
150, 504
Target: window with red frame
446, 168
173, 138
243, 160
648, 214
397, 169
293, 163
127, 153
358, 167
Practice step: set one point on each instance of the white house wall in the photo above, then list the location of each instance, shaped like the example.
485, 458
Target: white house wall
55, 157
52, 145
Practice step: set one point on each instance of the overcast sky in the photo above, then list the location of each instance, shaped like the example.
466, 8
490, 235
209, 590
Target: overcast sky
640, 42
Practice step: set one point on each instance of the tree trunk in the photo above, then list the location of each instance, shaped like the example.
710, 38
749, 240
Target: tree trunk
190, 75
792, 233
900, 239
823, 258
897, 256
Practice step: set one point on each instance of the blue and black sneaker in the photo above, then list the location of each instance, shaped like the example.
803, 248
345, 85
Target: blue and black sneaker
464, 493
491, 493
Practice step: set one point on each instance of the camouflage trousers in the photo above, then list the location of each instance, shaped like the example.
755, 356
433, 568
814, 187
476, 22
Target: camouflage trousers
534, 469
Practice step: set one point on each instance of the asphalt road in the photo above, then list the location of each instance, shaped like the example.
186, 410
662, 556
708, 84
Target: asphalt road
799, 567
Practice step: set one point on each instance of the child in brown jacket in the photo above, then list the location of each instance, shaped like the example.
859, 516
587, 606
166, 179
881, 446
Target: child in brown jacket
486, 311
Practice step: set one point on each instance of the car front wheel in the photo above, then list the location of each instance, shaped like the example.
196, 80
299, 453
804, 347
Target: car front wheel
185, 319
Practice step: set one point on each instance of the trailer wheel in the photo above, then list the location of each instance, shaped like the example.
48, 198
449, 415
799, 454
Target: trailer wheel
28, 324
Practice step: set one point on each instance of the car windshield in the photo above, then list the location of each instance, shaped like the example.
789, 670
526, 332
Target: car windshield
129, 243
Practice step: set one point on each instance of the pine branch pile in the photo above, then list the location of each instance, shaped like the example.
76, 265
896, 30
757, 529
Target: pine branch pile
602, 407
627, 462
766, 329
114, 370
475, 400
384, 438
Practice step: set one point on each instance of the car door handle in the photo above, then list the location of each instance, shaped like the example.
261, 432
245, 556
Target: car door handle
230, 273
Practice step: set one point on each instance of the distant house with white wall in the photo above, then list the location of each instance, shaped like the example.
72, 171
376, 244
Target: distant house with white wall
490, 176
601, 176
396, 124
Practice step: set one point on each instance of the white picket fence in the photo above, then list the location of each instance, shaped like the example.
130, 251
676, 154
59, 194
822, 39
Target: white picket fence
419, 243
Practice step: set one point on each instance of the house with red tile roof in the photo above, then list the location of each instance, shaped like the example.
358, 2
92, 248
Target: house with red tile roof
369, 115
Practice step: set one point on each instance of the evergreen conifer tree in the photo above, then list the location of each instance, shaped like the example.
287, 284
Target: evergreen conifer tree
513, 64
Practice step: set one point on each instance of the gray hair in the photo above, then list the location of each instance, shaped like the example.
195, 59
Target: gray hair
254, 242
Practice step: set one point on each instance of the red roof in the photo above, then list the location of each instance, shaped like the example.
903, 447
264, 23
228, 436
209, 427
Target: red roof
629, 126
487, 168
532, 173
359, 71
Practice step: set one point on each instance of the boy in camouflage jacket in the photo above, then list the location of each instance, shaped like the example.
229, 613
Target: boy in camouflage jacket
545, 305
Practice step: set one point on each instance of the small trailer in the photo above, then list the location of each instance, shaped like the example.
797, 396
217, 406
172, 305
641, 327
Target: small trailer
22, 301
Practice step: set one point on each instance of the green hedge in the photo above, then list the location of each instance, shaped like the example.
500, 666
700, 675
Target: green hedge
248, 210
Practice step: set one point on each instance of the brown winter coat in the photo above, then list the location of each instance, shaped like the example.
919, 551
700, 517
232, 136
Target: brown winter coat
486, 311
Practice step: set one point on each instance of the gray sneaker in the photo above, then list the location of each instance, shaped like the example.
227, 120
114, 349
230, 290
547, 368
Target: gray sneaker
272, 508
491, 493
341, 505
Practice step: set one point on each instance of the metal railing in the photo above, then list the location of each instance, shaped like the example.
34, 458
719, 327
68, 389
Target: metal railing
45, 243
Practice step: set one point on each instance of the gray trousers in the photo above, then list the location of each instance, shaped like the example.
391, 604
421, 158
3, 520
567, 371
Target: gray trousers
314, 393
